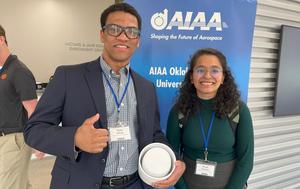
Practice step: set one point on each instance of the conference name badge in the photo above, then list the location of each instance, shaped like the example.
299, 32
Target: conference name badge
119, 133
205, 168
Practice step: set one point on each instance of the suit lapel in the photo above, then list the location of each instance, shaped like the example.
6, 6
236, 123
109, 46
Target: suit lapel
93, 76
139, 91
141, 109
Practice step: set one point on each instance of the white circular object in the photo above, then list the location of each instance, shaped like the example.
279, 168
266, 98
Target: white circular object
147, 162
157, 162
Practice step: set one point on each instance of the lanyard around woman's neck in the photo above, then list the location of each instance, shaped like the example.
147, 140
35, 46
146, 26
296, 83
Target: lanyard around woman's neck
206, 137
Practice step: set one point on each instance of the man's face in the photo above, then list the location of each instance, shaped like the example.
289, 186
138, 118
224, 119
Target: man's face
118, 50
2, 43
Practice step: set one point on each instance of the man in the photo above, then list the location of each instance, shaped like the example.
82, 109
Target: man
17, 102
108, 114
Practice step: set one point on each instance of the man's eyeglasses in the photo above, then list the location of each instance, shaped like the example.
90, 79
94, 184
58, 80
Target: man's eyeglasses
116, 30
214, 71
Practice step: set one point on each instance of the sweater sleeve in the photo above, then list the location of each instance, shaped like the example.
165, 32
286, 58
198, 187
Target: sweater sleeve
174, 137
244, 150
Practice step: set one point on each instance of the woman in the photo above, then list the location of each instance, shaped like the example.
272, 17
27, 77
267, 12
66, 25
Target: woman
216, 155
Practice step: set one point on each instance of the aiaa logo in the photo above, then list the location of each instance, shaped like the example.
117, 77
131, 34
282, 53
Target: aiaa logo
159, 21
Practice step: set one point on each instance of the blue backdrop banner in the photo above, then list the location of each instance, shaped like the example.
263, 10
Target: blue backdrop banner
172, 30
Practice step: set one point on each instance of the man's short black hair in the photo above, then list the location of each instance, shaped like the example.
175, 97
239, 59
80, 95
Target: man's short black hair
2, 33
124, 7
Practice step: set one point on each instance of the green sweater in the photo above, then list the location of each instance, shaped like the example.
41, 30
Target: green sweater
223, 146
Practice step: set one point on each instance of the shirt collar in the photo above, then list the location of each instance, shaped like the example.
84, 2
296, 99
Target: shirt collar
108, 71
8, 61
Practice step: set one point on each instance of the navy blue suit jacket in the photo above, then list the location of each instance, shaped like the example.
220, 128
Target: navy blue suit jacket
75, 94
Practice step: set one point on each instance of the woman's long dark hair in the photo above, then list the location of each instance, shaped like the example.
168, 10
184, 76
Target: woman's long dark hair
227, 95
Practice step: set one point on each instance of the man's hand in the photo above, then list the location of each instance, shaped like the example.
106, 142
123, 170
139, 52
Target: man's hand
38, 154
90, 139
175, 176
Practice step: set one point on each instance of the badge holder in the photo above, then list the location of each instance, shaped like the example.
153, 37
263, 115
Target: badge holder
120, 132
205, 167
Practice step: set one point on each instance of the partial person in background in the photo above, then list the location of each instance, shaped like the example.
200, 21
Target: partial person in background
17, 102
108, 113
211, 127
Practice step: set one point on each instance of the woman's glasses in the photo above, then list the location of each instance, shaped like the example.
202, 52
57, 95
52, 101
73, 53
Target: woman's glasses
213, 71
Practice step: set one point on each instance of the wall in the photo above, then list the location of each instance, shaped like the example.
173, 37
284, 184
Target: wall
48, 33
277, 140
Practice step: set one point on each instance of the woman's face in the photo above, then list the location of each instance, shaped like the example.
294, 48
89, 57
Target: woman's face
207, 76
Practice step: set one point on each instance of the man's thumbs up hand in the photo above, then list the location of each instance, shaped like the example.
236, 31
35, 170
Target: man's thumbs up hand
90, 139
